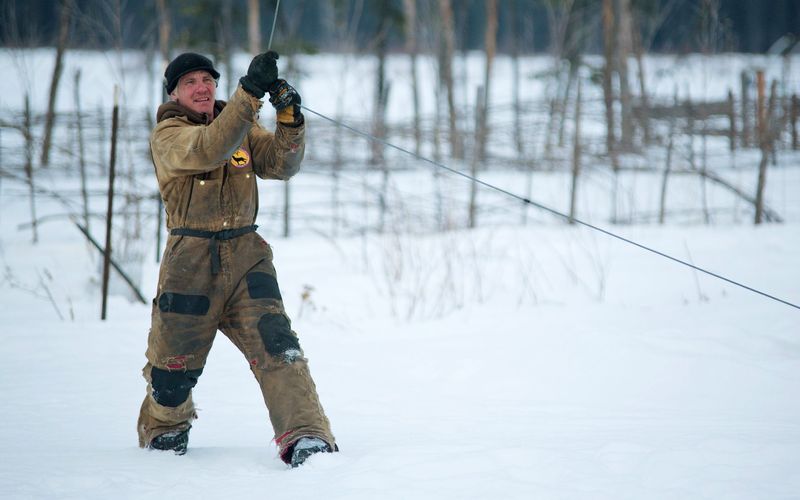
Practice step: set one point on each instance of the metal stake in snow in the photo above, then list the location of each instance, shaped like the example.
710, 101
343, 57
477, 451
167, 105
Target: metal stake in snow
111, 172
533, 203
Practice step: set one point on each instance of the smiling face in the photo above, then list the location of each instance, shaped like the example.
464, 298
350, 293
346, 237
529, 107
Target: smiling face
196, 91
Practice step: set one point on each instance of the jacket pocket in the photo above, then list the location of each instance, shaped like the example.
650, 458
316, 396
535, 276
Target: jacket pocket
204, 202
242, 192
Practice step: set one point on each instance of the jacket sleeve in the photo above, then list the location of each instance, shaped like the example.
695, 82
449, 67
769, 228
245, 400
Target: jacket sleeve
278, 155
179, 148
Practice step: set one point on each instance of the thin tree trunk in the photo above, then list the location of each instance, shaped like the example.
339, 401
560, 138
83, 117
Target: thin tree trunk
609, 68
745, 85
110, 209
667, 167
379, 128
164, 29
690, 131
762, 181
29, 167
379, 103
490, 45
515, 77
437, 156
576, 156
63, 35
703, 170
102, 139
437, 121
384, 196
551, 115
609, 48
623, 51
410, 9
731, 121
763, 144
614, 196
761, 107
336, 169
446, 69
644, 100
81, 150
253, 26
154, 94
226, 46
774, 126
1, 176
480, 99
562, 108
793, 118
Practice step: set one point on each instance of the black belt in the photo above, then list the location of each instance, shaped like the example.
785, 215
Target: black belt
215, 237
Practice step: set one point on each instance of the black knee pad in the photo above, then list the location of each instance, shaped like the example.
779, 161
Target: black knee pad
277, 335
171, 388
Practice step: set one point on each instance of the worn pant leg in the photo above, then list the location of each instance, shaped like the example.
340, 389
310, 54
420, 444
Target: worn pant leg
255, 320
184, 322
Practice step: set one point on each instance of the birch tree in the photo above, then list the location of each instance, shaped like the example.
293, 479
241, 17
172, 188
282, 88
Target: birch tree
490, 45
67, 7
446, 74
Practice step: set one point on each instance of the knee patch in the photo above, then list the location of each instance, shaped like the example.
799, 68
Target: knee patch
172, 388
194, 305
277, 336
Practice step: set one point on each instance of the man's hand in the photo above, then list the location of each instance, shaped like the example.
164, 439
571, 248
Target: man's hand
261, 75
286, 101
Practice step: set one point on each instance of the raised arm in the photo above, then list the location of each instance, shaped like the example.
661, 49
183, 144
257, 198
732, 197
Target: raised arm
179, 149
278, 155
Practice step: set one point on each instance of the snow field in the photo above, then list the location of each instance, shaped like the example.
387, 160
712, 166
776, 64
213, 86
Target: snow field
537, 361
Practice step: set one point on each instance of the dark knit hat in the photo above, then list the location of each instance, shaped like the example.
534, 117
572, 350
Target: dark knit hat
186, 63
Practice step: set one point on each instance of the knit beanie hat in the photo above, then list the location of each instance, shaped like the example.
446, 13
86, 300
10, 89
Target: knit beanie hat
186, 63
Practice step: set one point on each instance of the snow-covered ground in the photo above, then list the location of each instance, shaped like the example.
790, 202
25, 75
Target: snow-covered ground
665, 387
536, 361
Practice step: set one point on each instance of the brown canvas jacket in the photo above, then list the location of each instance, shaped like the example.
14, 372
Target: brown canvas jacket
206, 171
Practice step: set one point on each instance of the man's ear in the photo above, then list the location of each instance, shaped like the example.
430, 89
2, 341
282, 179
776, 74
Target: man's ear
173, 96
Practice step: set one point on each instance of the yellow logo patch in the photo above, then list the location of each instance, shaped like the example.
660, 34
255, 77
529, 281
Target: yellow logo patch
240, 158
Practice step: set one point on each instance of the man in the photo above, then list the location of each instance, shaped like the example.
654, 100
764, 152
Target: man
217, 272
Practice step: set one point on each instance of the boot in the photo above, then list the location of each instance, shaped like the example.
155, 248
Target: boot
176, 441
307, 446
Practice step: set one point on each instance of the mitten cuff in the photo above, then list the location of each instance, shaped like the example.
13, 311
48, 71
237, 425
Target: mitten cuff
251, 88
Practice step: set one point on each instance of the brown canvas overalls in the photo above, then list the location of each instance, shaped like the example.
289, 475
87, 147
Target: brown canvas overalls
217, 272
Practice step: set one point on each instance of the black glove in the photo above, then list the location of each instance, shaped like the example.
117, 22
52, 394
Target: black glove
261, 74
286, 101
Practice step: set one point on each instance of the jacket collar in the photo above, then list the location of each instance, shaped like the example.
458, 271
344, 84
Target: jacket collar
172, 109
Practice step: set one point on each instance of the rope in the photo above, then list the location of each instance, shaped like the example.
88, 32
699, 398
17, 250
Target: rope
274, 20
528, 201
548, 209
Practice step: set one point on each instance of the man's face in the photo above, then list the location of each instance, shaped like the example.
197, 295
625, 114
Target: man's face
196, 91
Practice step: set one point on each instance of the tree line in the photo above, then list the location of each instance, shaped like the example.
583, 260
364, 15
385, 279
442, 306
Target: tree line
315, 25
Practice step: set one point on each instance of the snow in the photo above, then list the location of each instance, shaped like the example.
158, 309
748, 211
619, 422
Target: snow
511, 361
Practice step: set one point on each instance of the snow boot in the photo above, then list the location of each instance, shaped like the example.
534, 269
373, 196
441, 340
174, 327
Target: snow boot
307, 446
176, 441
